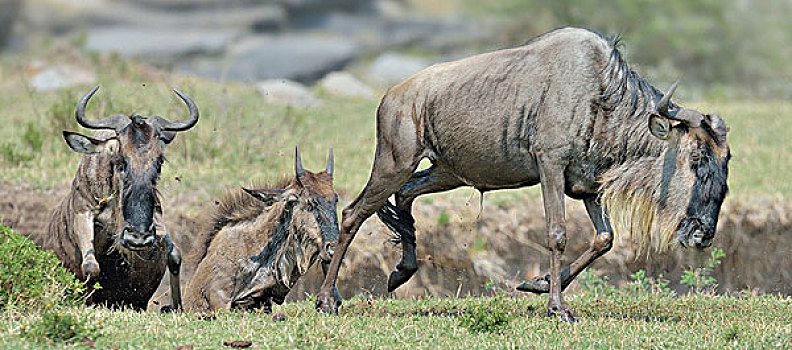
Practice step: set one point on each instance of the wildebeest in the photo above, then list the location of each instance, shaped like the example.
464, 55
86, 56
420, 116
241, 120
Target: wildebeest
565, 111
109, 227
260, 241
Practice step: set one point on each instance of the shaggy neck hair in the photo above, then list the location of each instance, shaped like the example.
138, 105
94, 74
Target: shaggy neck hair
287, 253
633, 159
233, 208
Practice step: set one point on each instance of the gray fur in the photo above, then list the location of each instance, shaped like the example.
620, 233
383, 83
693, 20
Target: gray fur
565, 110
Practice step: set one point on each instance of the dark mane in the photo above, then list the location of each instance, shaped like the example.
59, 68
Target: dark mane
233, 207
621, 86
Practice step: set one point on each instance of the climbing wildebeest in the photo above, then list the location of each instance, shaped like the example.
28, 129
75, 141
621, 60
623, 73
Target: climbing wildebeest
109, 228
260, 241
565, 111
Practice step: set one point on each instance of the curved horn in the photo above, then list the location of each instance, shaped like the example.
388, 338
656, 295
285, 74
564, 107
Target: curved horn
179, 126
329, 169
298, 168
79, 114
662, 106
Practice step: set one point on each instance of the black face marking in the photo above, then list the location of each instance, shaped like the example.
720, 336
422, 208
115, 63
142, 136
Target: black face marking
669, 168
139, 195
268, 254
327, 218
709, 189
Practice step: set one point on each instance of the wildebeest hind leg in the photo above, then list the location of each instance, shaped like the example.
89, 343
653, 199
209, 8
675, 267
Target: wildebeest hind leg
399, 218
392, 167
601, 244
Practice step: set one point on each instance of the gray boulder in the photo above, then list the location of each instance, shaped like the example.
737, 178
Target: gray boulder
161, 46
301, 57
59, 76
9, 11
343, 84
247, 18
390, 69
284, 92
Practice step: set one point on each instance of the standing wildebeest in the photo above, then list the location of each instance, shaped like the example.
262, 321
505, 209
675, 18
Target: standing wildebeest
564, 111
262, 240
109, 228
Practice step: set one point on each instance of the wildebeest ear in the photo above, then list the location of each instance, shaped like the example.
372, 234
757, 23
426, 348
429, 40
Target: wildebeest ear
167, 136
268, 195
659, 126
83, 144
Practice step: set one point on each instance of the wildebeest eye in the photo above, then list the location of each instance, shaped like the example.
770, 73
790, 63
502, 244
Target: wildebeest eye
119, 163
695, 156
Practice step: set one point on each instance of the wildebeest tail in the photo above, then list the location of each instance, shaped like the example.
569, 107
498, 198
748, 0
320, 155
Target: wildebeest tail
400, 222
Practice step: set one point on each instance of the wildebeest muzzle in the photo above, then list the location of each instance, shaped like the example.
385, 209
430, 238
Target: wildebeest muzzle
696, 232
137, 237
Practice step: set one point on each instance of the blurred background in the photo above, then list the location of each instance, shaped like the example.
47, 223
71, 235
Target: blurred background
721, 49
270, 74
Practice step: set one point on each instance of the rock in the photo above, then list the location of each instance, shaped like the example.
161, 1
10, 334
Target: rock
157, 45
181, 5
343, 84
301, 57
287, 93
9, 11
391, 8
243, 18
379, 33
59, 76
390, 69
306, 7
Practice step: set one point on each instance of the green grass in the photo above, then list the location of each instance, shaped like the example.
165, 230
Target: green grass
240, 138
625, 322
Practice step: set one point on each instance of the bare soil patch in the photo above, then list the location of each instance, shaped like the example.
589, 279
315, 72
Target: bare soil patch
504, 245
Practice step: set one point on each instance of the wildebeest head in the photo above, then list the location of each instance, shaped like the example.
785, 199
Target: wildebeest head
137, 154
311, 201
678, 194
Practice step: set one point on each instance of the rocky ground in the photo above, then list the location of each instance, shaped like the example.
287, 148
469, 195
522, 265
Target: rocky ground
252, 41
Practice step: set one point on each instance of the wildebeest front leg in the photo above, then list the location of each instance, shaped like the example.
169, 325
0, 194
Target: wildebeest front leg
392, 168
552, 179
601, 244
399, 218
174, 267
325, 268
83, 229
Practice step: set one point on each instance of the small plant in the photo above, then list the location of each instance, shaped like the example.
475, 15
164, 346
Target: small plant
643, 284
660, 286
700, 280
731, 333
640, 283
57, 325
32, 278
32, 137
486, 318
490, 288
60, 114
10, 154
443, 218
589, 281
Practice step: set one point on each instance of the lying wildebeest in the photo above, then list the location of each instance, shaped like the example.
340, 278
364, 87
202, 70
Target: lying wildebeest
260, 241
564, 111
109, 228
